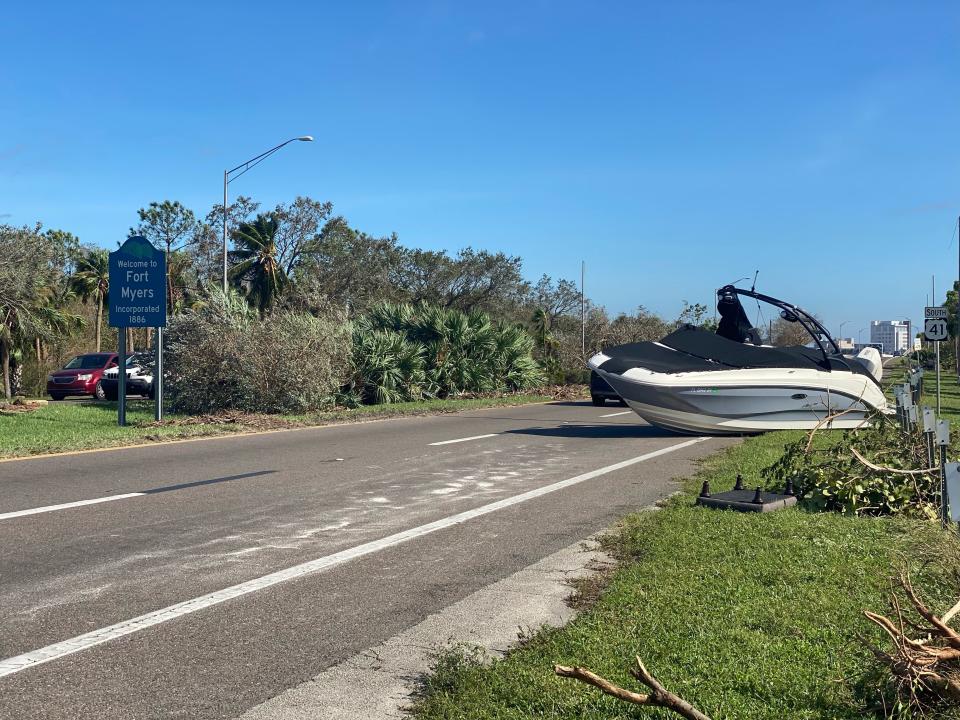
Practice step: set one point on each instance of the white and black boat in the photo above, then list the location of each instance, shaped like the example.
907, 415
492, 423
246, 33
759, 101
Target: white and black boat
729, 382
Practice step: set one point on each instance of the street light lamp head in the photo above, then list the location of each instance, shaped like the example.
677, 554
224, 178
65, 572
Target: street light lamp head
248, 165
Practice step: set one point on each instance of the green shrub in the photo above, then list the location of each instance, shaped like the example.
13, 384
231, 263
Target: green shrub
298, 361
223, 356
405, 352
387, 368
830, 478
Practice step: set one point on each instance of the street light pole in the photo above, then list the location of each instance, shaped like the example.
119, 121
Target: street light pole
840, 332
225, 182
246, 166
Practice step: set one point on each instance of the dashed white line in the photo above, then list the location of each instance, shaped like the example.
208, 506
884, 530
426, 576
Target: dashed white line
625, 412
458, 440
64, 506
127, 627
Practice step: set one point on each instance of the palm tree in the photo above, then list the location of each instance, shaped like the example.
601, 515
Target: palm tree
52, 317
541, 331
28, 326
546, 344
180, 280
91, 280
257, 267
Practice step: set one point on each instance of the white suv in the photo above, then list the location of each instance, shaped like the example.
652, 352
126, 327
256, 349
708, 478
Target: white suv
139, 377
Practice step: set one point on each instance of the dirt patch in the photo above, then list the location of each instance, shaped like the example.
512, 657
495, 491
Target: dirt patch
20, 405
248, 421
260, 421
588, 588
568, 392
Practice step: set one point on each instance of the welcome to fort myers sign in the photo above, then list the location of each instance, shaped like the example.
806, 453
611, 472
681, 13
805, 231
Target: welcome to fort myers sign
138, 273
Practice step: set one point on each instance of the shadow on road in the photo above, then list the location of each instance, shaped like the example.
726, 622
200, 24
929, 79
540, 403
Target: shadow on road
605, 431
211, 481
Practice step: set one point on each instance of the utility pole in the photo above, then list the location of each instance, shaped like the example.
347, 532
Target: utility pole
933, 291
226, 181
583, 311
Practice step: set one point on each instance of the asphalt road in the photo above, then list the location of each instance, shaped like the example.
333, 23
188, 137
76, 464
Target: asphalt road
328, 541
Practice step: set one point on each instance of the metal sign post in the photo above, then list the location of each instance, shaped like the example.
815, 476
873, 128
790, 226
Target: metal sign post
953, 488
935, 331
916, 383
929, 433
943, 440
121, 375
158, 378
138, 298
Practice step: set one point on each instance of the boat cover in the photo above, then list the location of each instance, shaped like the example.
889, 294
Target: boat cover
691, 349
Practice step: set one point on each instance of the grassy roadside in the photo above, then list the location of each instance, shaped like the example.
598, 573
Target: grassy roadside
59, 427
747, 616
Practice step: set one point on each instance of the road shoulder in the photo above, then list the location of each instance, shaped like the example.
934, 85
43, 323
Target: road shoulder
380, 682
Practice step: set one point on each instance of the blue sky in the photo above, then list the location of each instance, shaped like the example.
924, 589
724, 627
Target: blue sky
674, 146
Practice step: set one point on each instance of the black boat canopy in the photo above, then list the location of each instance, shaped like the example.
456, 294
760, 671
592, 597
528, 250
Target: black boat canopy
692, 349
735, 345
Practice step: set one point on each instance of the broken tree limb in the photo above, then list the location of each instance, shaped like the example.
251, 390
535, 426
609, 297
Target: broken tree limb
942, 684
897, 471
658, 696
602, 684
948, 615
927, 665
940, 626
831, 418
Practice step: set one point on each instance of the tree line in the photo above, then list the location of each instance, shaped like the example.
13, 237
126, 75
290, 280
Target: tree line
54, 289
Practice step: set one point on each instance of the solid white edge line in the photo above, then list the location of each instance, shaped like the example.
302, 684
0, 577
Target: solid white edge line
459, 440
625, 412
97, 637
64, 506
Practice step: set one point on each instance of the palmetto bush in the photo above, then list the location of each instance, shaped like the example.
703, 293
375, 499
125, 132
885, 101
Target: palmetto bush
387, 368
405, 352
222, 355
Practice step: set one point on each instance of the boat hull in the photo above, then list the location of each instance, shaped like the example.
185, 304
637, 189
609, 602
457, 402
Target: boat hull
735, 402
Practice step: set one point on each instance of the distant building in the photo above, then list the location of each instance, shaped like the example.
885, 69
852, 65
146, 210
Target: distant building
892, 335
846, 345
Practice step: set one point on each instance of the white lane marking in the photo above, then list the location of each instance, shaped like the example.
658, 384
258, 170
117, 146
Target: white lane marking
64, 506
96, 637
474, 437
625, 412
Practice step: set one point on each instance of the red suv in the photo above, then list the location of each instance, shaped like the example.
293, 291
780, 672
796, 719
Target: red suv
81, 376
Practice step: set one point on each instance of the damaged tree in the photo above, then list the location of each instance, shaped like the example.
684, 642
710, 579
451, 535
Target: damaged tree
923, 670
658, 696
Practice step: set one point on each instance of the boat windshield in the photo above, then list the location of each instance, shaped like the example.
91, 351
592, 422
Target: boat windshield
793, 326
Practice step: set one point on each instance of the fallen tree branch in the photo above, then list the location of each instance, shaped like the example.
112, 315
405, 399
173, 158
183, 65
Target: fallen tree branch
941, 627
831, 418
948, 615
658, 696
925, 670
897, 471
944, 685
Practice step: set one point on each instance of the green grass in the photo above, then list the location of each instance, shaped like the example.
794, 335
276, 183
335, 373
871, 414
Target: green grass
748, 616
60, 427
949, 390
